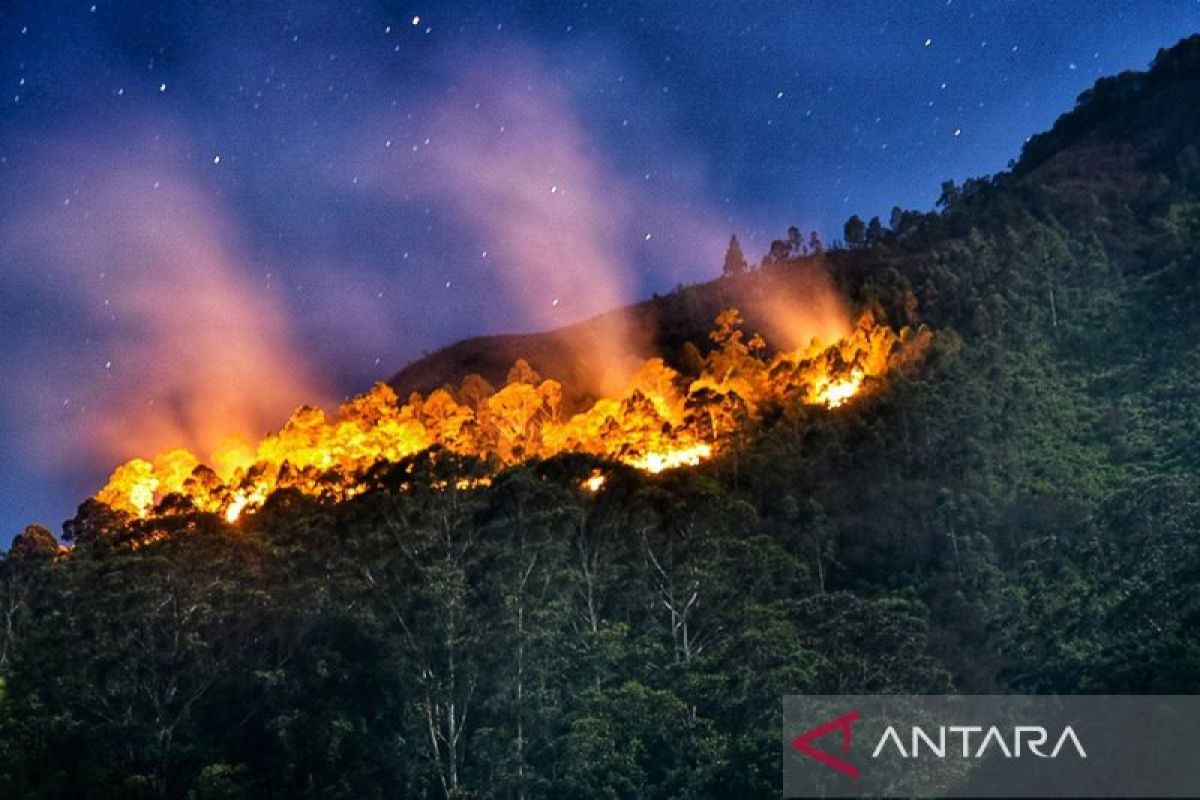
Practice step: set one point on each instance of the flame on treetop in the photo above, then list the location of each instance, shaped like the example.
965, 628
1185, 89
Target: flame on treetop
662, 421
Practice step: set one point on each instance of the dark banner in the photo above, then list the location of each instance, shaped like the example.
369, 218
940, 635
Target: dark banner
991, 746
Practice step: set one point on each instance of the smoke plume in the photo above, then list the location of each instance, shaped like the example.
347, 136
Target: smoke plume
161, 335
504, 152
795, 313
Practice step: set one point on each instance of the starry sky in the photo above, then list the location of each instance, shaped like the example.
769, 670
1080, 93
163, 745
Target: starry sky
211, 212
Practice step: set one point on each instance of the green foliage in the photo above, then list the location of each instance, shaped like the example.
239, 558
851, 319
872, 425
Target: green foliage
527, 638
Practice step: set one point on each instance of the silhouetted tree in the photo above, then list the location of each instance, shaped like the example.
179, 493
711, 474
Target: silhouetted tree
874, 232
735, 260
949, 196
780, 251
854, 232
795, 240
35, 542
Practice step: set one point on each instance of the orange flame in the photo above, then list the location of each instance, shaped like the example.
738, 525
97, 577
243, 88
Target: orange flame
662, 421
595, 481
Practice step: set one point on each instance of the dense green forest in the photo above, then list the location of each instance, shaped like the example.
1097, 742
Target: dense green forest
1021, 513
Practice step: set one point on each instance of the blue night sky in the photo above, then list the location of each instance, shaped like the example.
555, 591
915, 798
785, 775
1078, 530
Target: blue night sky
210, 213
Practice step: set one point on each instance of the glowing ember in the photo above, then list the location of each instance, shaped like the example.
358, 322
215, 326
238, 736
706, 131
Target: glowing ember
671, 459
594, 482
239, 503
662, 421
836, 393
235, 508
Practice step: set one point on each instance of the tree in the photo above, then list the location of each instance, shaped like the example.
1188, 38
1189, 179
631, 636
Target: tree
949, 196
815, 246
903, 223
475, 390
780, 251
522, 372
795, 241
854, 231
874, 232
525, 587
735, 260
35, 542
513, 413
130, 642
418, 570
20, 573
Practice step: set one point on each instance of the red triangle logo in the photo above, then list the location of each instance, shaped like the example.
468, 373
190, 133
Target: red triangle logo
844, 723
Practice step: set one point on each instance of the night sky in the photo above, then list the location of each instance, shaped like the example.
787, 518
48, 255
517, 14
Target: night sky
210, 214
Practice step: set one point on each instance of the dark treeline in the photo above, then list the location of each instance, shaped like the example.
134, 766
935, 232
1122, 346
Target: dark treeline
1020, 514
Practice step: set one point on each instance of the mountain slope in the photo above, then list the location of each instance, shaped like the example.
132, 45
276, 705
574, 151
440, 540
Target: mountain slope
1110, 154
658, 327
1020, 513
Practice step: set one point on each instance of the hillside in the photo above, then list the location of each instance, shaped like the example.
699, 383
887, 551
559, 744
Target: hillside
660, 327
1100, 160
1018, 509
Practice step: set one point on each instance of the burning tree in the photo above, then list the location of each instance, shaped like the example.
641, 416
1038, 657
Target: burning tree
663, 419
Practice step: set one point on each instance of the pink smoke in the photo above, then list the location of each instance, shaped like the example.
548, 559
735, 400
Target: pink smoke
504, 151
195, 347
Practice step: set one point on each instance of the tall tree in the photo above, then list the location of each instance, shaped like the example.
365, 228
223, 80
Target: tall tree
795, 241
854, 231
815, 246
735, 260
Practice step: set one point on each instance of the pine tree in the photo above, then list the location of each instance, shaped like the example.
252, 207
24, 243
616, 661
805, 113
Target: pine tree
735, 260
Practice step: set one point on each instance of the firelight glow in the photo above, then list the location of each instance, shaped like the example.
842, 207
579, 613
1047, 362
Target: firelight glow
662, 420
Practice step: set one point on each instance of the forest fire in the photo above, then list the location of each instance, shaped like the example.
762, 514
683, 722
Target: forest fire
834, 393
659, 460
663, 420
